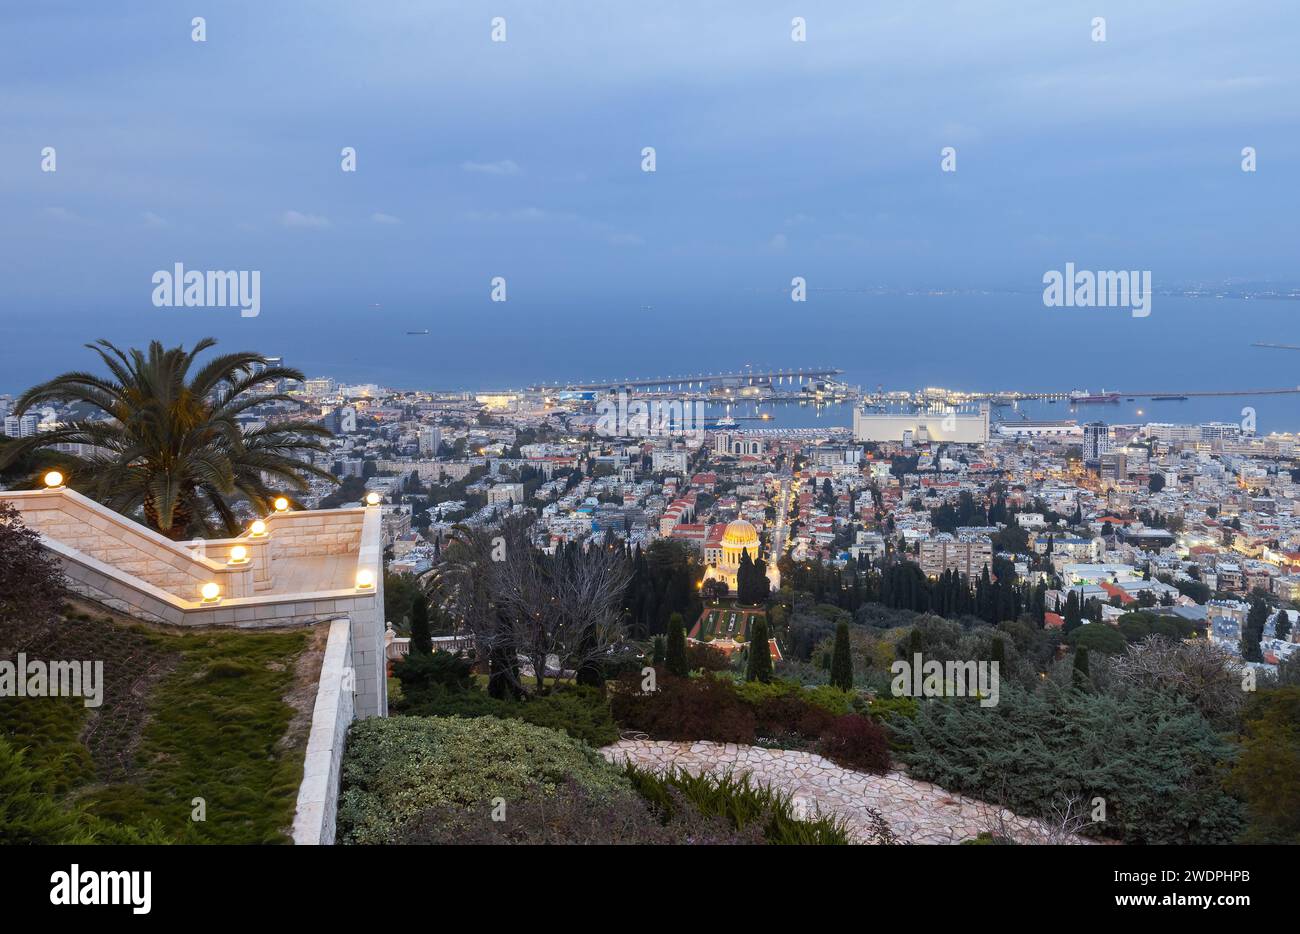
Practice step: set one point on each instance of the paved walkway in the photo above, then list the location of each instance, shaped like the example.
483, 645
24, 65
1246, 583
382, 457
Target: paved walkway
918, 812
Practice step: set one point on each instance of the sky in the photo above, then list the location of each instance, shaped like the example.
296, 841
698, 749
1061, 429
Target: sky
523, 159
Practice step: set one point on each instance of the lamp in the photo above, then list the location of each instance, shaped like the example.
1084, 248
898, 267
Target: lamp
373, 498
53, 479
238, 555
281, 504
257, 529
365, 579
211, 592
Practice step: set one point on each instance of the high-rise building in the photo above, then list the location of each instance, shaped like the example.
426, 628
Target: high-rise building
430, 440
21, 426
1096, 441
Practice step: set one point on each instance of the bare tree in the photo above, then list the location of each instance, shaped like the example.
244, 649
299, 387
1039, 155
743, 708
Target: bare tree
1062, 825
1201, 671
518, 600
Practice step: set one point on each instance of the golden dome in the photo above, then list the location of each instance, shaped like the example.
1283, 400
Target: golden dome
740, 534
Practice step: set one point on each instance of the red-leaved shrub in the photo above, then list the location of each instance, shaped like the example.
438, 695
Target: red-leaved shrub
857, 743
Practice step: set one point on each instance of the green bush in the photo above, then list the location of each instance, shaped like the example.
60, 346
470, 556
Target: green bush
398, 767
420, 672
573, 815
743, 804
30, 814
579, 711
1155, 760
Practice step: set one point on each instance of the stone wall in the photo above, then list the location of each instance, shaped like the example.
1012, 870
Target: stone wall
329, 532
918, 812
318, 795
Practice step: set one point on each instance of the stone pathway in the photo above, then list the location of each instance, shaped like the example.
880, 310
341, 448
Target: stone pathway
918, 812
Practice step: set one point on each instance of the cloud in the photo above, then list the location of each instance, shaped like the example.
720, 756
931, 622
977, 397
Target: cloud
379, 217
777, 243
298, 219
153, 220
501, 167
63, 215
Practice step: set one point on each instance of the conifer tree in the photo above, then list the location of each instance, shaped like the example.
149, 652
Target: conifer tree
759, 667
675, 659
421, 640
842, 659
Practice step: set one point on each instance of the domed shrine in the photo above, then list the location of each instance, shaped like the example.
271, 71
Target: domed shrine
739, 537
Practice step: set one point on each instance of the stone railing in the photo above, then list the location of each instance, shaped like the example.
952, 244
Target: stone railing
318, 795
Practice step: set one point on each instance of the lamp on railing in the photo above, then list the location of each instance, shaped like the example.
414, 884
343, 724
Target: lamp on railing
238, 555
365, 579
257, 529
281, 504
373, 498
210, 592
53, 480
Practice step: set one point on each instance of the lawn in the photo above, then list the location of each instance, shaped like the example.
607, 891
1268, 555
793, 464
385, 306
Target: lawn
214, 720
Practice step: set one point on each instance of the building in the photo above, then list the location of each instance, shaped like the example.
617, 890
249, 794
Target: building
21, 426
1096, 441
430, 440
733, 445
739, 538
922, 427
965, 555
505, 494
1036, 430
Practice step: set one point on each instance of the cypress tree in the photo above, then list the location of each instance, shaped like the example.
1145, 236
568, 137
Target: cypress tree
660, 649
1081, 676
421, 641
1000, 654
675, 658
759, 667
842, 660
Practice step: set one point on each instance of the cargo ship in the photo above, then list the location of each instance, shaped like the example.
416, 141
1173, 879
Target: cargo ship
1082, 395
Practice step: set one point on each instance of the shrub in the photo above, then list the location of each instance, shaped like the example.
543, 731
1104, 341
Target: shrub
1267, 773
571, 814
700, 657
743, 804
420, 671
1151, 755
683, 708
856, 743
396, 768
579, 711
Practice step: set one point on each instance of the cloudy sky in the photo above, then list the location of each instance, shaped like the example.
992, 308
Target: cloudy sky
523, 159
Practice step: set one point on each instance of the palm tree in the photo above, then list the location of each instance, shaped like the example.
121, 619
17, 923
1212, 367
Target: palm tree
168, 444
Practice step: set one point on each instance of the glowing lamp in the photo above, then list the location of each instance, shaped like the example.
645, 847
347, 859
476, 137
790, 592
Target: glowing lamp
365, 579
53, 479
257, 529
281, 504
372, 499
210, 592
238, 555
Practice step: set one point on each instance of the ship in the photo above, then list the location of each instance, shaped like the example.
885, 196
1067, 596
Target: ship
1169, 398
1082, 395
416, 333
726, 422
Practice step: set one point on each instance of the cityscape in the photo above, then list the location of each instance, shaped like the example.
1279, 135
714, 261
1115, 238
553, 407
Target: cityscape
417, 475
